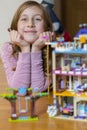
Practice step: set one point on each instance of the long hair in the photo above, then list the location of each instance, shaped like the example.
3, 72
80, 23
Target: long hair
46, 17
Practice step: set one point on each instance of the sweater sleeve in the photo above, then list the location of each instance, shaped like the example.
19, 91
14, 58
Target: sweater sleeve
38, 79
21, 76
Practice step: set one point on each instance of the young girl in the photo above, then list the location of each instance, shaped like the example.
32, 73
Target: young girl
23, 56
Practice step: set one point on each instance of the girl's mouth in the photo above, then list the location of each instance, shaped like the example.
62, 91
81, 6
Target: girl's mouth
30, 31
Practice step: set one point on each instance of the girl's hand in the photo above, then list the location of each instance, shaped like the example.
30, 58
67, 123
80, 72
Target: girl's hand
40, 42
18, 40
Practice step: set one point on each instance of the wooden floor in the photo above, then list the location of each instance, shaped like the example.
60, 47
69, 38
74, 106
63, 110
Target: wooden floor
44, 122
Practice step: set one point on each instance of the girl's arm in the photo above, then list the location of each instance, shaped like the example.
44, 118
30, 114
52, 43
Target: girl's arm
19, 77
38, 79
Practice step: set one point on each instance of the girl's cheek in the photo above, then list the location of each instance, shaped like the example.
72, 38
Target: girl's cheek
20, 28
41, 29
20, 25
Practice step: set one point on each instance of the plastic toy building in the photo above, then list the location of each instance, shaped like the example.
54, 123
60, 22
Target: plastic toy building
23, 114
69, 78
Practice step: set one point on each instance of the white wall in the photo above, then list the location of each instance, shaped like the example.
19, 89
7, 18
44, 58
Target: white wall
7, 10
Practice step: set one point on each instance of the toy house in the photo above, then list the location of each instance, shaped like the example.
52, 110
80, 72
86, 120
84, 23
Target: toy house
70, 78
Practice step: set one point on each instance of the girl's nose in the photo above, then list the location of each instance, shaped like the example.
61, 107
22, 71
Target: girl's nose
30, 23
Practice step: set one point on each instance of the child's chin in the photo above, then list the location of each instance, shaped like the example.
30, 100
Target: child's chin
31, 41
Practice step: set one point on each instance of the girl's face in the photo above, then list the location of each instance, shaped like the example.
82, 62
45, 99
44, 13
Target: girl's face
31, 24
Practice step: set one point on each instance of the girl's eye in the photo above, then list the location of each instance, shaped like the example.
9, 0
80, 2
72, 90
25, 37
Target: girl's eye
23, 19
38, 18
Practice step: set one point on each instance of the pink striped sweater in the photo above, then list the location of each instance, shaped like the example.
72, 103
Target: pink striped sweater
29, 69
